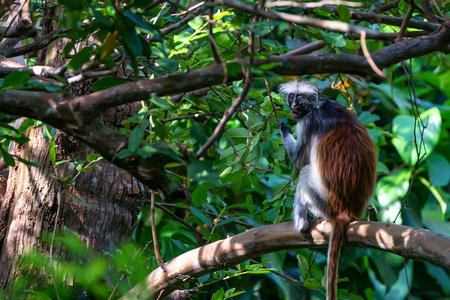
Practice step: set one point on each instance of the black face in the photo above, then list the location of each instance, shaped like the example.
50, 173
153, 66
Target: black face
301, 105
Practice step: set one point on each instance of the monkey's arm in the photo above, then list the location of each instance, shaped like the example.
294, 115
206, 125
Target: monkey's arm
295, 148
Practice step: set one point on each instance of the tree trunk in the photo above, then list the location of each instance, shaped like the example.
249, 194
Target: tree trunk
36, 203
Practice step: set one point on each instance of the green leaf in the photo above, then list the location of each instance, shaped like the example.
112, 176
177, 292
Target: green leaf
335, 39
161, 102
79, 59
368, 118
146, 151
15, 79
167, 65
344, 13
403, 129
9, 159
239, 135
106, 83
382, 168
438, 169
201, 216
228, 220
392, 187
303, 266
52, 151
218, 295
199, 195
231, 294
196, 23
29, 163
81, 200
280, 189
125, 153
68, 180
137, 135
234, 68
249, 203
25, 125
399, 289
137, 20
183, 238
91, 158
229, 156
88, 168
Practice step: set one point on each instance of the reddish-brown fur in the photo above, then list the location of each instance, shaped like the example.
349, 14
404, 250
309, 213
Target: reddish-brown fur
347, 164
345, 160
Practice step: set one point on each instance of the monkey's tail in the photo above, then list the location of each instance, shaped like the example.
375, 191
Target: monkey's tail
334, 247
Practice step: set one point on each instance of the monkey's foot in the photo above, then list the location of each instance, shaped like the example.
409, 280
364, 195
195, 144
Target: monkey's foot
301, 224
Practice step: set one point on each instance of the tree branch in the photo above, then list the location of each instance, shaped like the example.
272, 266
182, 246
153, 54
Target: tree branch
37, 45
418, 244
301, 20
22, 29
372, 17
77, 116
227, 115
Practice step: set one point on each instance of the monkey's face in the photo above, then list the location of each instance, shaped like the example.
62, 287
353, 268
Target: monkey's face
301, 104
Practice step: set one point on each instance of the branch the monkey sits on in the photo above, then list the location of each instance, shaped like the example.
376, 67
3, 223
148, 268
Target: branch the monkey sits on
337, 159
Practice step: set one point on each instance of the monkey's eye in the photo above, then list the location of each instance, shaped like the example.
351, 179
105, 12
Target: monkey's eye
301, 98
291, 97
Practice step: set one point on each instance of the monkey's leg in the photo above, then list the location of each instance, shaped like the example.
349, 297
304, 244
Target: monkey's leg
307, 195
302, 200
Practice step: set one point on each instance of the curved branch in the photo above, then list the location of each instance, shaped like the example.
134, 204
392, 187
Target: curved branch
418, 244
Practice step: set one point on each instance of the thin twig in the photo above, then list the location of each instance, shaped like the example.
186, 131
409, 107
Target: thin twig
212, 41
240, 159
306, 49
226, 117
271, 101
428, 11
313, 4
160, 206
274, 272
418, 146
385, 7
368, 57
404, 25
155, 238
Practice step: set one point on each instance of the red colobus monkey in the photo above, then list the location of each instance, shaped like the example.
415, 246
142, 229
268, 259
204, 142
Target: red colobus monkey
337, 159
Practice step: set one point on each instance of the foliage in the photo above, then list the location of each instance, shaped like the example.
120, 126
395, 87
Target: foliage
246, 179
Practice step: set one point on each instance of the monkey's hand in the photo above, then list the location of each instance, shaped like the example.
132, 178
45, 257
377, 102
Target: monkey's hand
284, 129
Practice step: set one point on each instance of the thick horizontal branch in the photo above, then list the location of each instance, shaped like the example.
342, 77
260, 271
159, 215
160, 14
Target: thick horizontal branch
56, 111
418, 244
84, 108
76, 115
284, 65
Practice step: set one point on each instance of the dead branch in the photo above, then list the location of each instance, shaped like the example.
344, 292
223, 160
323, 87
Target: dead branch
413, 243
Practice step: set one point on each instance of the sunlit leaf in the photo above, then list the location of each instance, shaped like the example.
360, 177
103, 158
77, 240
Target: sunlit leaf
392, 187
411, 149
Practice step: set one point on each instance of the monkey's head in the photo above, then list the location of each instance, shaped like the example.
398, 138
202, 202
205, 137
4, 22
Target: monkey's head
303, 97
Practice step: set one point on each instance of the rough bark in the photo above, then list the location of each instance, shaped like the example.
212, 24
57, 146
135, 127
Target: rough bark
419, 244
35, 203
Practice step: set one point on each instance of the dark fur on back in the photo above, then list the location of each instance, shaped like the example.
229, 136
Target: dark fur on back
337, 158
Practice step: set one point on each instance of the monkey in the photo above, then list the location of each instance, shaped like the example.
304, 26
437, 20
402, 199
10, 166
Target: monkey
337, 161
